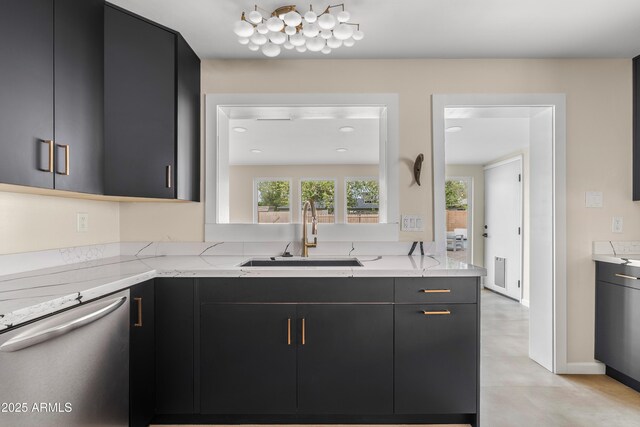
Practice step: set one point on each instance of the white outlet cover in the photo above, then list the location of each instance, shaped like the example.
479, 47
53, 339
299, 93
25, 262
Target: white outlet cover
82, 222
616, 224
593, 199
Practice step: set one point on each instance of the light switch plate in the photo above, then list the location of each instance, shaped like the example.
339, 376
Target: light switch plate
616, 224
82, 222
593, 199
412, 223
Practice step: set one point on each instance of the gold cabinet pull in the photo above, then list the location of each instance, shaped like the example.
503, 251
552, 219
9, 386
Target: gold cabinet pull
304, 332
624, 276
289, 331
50, 143
138, 301
436, 313
66, 149
435, 291
168, 176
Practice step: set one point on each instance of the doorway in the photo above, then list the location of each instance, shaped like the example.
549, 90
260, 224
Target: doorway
459, 217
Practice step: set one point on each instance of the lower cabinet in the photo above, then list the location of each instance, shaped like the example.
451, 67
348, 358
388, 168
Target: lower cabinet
141, 355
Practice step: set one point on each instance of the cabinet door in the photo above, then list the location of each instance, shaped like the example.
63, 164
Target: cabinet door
435, 359
141, 356
79, 106
617, 340
248, 358
345, 359
175, 332
26, 91
140, 107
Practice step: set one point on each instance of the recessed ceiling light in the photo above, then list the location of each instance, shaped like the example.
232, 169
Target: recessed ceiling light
256, 151
341, 150
240, 129
453, 129
347, 129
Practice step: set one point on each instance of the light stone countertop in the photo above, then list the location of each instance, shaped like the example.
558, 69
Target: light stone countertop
33, 294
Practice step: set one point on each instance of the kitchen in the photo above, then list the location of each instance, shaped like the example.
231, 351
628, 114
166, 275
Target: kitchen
146, 193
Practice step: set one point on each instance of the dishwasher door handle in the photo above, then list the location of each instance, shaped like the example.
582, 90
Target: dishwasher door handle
38, 335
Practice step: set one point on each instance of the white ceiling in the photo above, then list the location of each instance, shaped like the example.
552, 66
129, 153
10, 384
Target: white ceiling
488, 133
311, 136
426, 28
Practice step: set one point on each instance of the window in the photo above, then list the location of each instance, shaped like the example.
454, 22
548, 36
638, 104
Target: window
272, 201
323, 192
363, 201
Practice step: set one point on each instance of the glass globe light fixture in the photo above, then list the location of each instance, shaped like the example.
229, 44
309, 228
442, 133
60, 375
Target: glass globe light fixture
271, 50
301, 49
297, 40
275, 24
327, 21
316, 44
262, 28
290, 30
310, 30
253, 47
343, 31
358, 35
243, 29
326, 34
349, 42
277, 38
310, 17
258, 39
326, 50
243, 40
292, 18
334, 43
287, 45
255, 17
343, 16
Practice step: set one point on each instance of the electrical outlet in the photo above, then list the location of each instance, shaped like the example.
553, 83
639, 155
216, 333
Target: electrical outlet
82, 222
616, 224
412, 223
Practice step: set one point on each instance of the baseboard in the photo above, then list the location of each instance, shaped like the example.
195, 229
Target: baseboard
585, 368
525, 302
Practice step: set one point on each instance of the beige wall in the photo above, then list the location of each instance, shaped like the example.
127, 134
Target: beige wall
30, 222
241, 181
476, 172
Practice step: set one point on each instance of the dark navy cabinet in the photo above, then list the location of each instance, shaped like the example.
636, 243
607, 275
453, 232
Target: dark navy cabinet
142, 355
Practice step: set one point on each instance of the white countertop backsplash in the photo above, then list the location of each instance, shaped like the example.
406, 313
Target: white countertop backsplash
76, 275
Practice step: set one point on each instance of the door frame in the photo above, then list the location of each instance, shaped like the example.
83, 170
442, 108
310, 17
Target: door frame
470, 206
557, 289
517, 158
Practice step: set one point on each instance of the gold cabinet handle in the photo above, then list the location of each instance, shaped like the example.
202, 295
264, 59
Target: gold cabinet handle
289, 331
50, 143
435, 291
66, 149
138, 301
436, 313
168, 176
624, 276
304, 332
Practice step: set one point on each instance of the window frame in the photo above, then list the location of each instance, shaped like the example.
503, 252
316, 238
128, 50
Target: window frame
335, 196
345, 201
258, 180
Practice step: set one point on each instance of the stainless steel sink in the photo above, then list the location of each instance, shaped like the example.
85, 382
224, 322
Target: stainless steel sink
306, 262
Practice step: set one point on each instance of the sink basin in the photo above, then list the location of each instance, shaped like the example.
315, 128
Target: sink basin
283, 262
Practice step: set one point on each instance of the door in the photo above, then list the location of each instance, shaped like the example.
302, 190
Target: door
435, 359
79, 70
345, 359
503, 227
248, 358
140, 107
26, 92
142, 355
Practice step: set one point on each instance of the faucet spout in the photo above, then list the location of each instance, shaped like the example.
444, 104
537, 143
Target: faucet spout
314, 227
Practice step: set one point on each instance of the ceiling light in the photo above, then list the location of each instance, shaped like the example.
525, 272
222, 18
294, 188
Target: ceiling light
240, 129
347, 129
290, 28
452, 129
341, 150
256, 151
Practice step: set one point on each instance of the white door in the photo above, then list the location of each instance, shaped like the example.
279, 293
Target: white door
503, 227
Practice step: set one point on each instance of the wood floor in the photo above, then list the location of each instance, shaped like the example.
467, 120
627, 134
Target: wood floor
515, 391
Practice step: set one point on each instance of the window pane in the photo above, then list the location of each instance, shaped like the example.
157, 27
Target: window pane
273, 202
363, 202
323, 192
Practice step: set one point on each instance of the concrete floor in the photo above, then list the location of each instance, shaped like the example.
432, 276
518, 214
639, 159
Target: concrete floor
515, 391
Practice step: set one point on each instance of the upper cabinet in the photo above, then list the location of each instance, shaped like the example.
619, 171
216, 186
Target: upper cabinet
152, 110
51, 94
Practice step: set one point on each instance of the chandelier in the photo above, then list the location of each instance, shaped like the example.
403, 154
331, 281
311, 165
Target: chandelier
287, 28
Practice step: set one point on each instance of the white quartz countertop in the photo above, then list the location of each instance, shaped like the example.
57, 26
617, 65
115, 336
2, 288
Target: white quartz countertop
34, 294
627, 259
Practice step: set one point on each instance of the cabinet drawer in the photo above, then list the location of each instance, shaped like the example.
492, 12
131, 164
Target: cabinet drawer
437, 290
618, 274
292, 290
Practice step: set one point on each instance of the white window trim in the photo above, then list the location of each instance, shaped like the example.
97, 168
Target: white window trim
358, 178
335, 195
256, 181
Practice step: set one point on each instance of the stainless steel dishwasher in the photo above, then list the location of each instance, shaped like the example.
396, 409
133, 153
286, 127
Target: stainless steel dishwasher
70, 369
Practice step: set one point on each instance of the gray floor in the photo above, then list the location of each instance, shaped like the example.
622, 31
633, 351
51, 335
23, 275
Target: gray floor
517, 392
